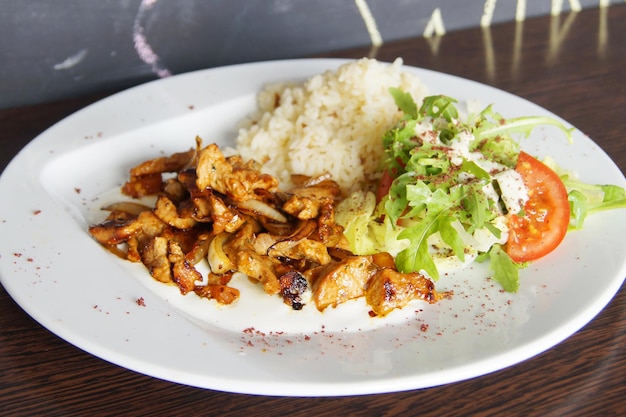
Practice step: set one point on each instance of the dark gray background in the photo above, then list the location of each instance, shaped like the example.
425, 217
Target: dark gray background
54, 49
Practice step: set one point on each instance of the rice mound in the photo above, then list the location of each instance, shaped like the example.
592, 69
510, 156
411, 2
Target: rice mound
331, 123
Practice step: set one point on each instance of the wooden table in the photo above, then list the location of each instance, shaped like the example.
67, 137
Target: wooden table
573, 65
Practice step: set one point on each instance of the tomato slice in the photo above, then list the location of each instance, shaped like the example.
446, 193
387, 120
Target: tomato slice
384, 185
386, 180
546, 213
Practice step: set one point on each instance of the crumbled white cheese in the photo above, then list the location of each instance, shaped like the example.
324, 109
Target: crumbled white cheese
491, 193
513, 191
485, 239
460, 148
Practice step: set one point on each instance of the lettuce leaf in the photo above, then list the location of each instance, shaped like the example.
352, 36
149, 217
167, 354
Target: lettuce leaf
355, 214
585, 199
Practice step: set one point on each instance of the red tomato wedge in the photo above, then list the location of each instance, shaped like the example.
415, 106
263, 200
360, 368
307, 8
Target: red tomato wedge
384, 185
547, 212
385, 182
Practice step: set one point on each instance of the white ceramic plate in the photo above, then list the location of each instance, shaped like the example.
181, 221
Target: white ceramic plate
69, 284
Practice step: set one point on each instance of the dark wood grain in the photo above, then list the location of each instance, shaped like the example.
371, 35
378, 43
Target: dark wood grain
574, 65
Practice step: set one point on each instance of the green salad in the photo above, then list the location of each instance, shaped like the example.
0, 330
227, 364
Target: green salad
458, 191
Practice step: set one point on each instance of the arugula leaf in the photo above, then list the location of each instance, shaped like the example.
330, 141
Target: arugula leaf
505, 270
397, 200
472, 167
450, 235
491, 124
440, 107
438, 214
417, 257
501, 149
427, 160
476, 207
398, 143
405, 102
494, 230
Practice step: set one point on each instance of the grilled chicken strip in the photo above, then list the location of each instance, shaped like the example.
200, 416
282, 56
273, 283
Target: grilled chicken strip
238, 182
390, 289
340, 281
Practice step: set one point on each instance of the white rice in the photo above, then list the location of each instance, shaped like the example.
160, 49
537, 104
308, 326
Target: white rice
331, 123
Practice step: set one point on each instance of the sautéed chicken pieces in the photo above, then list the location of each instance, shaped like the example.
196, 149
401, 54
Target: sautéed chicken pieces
226, 211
